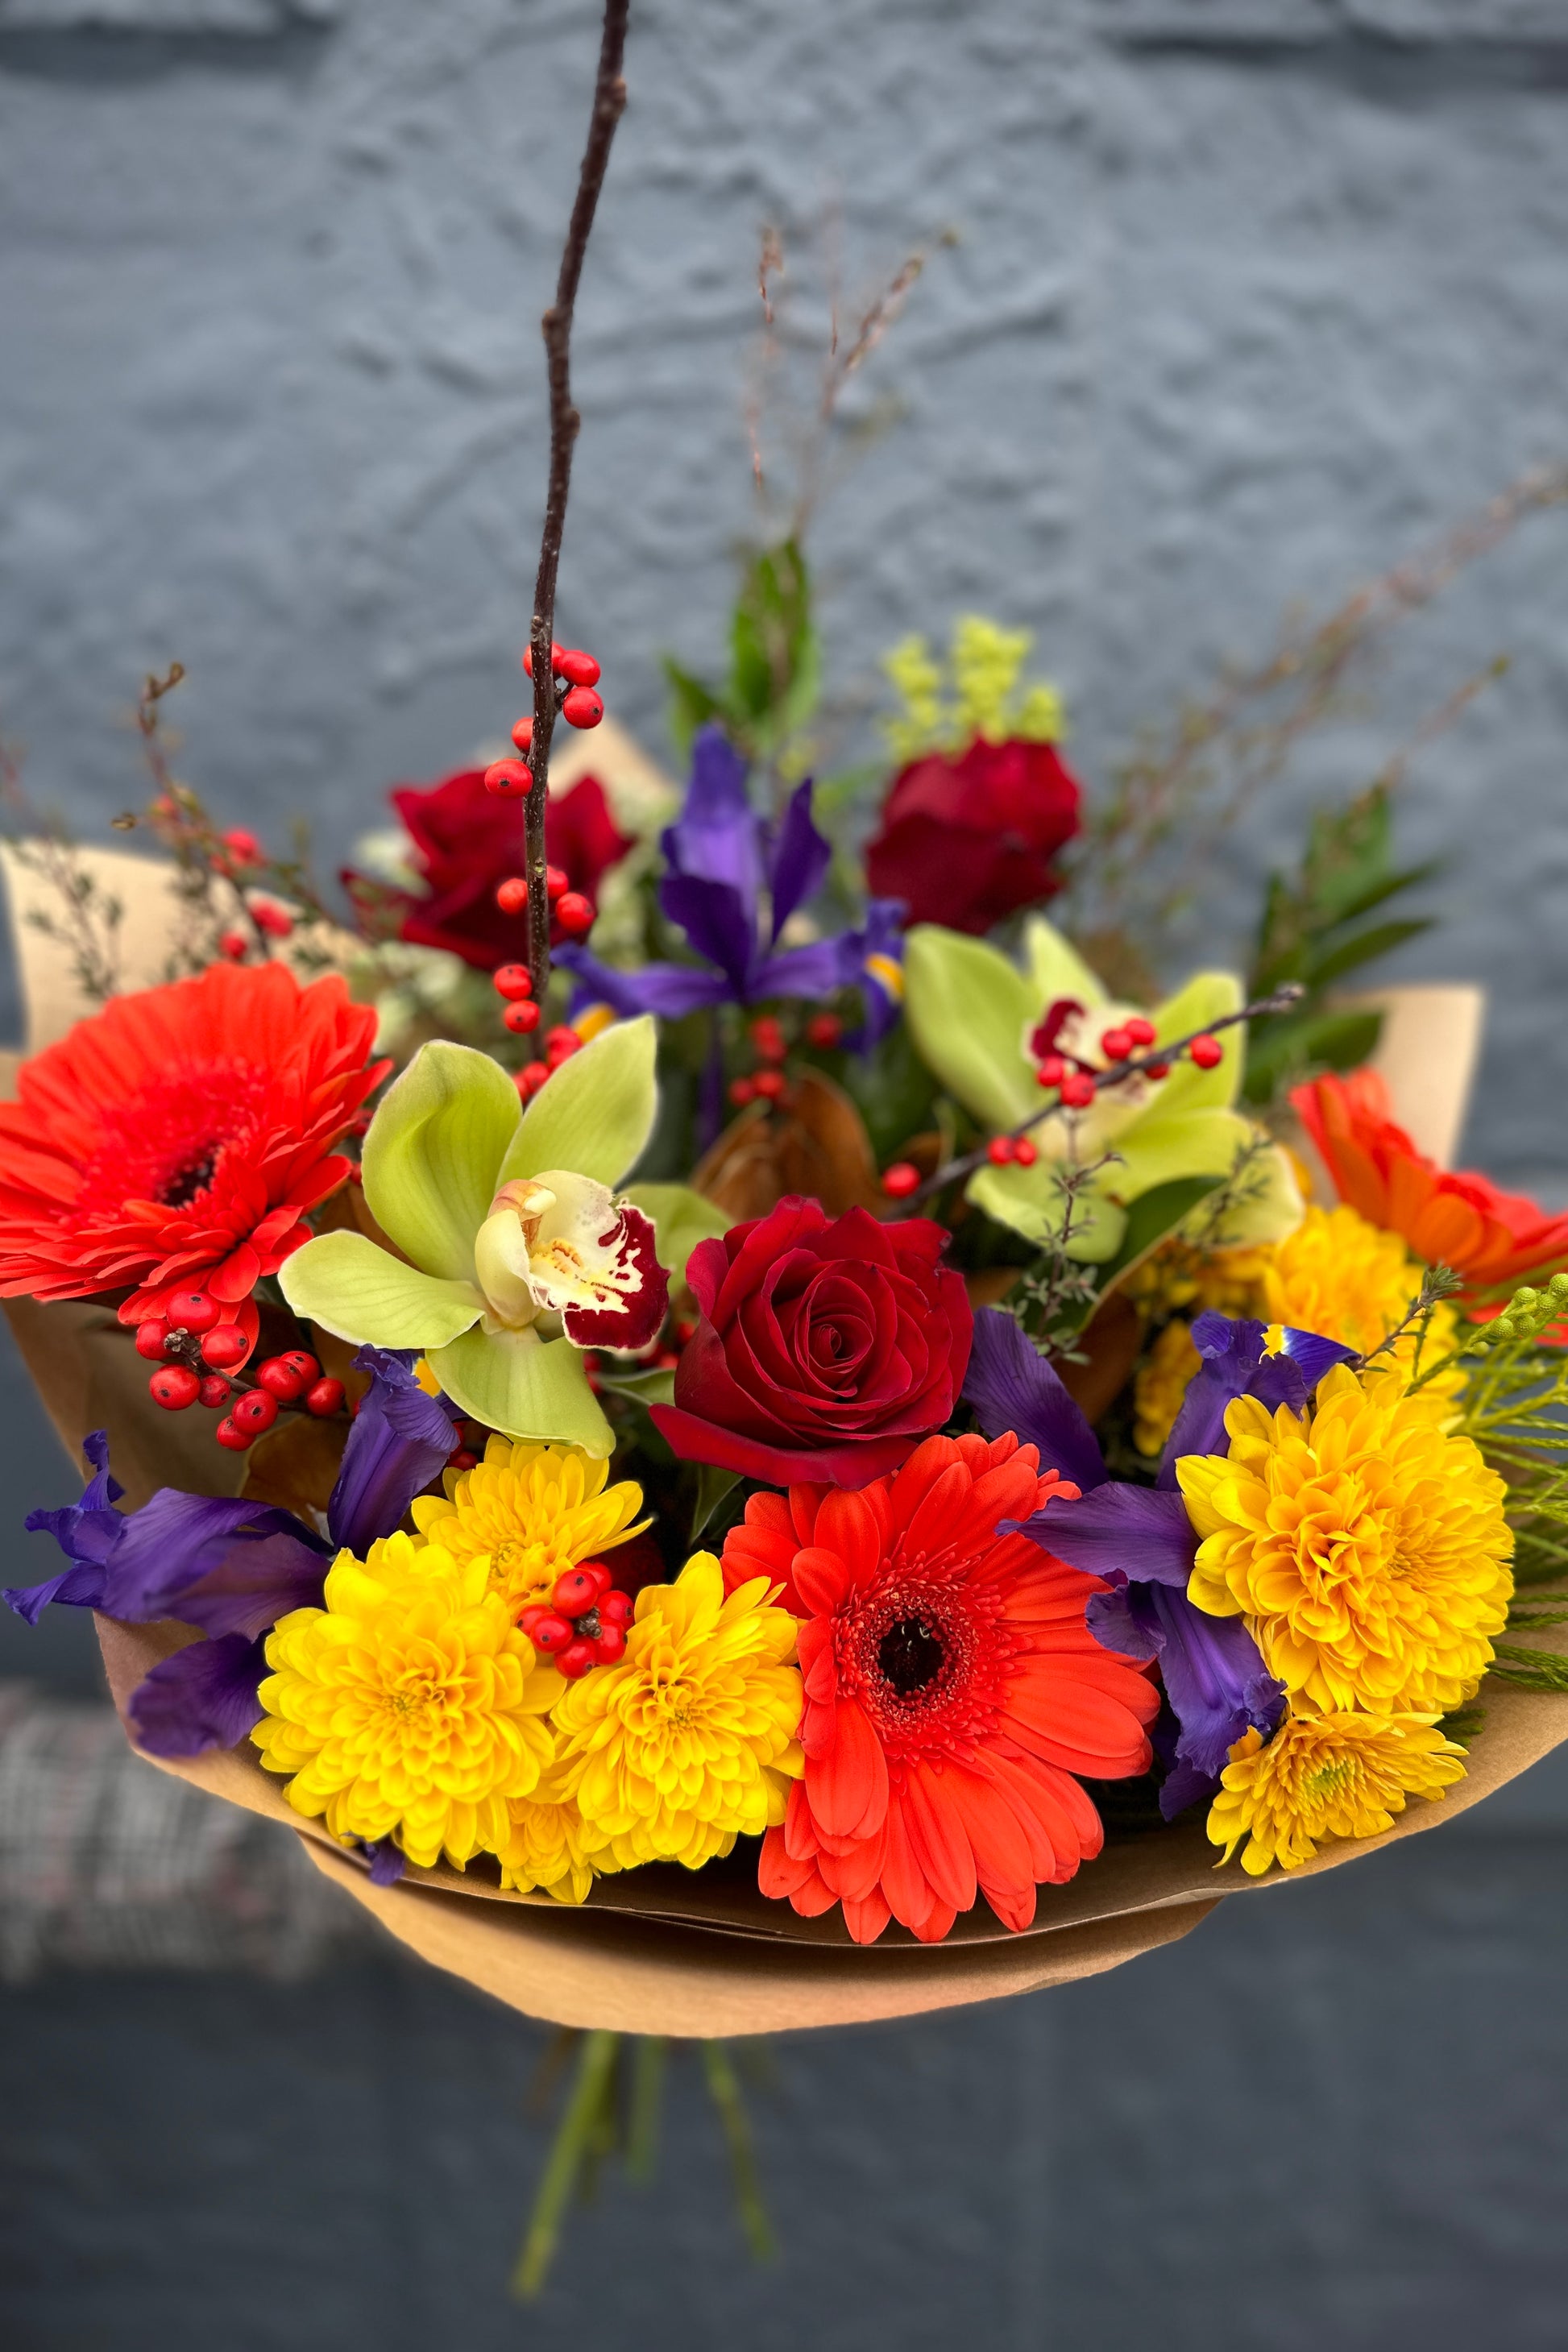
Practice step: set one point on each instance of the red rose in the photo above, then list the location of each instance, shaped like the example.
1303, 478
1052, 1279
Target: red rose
965, 841
467, 840
828, 1347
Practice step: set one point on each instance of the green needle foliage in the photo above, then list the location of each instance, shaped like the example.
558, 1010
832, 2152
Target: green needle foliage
775, 663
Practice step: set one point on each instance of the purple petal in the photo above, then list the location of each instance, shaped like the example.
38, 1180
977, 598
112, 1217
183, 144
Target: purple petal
1234, 1365
815, 971
204, 1697
79, 1585
86, 1531
387, 1864
800, 858
398, 1442
101, 1490
717, 923
1120, 1532
1012, 1387
717, 836
881, 934
667, 988
1313, 1355
1214, 1675
226, 1566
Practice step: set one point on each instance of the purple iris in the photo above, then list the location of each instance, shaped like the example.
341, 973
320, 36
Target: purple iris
721, 859
233, 1568
1140, 1539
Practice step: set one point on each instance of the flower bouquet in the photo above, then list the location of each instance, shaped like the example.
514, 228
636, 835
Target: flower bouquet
741, 1430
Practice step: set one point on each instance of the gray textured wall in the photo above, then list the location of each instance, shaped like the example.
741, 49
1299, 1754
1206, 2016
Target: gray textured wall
1250, 297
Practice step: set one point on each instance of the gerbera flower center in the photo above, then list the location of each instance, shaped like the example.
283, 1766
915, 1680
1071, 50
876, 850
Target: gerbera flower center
166, 1145
191, 1181
911, 1656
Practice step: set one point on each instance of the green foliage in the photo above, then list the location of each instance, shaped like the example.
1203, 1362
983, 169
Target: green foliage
775, 662
891, 1087
1315, 930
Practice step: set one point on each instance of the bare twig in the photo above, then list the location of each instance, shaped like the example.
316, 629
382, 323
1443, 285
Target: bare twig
609, 102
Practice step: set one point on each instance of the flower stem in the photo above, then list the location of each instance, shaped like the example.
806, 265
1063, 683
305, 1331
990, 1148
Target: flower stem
725, 2092
591, 2090
647, 2092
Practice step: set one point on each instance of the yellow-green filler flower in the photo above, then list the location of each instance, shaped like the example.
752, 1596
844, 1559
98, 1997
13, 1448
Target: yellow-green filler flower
515, 1253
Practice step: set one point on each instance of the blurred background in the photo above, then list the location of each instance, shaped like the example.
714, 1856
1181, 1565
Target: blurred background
1227, 307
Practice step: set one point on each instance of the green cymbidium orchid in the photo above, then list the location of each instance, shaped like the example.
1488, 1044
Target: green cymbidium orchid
972, 1013
516, 1253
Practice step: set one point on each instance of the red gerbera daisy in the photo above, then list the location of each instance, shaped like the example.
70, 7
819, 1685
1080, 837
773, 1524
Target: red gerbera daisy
179, 1136
953, 1689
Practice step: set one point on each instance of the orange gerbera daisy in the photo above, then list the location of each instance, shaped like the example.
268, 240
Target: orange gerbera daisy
179, 1136
1449, 1218
953, 1689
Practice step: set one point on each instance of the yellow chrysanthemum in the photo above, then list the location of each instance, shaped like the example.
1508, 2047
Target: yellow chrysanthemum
533, 1511
1160, 1385
548, 1844
410, 1705
689, 1740
1366, 1549
1179, 1276
1338, 1274
1327, 1776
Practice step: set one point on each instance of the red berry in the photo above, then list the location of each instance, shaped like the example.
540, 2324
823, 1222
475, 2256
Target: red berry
175, 1388
824, 1030
522, 733
1052, 1070
1158, 1070
215, 1391
611, 1644
511, 896
557, 882
513, 980
1078, 1090
192, 1310
901, 1179
577, 668
576, 1658
560, 1045
603, 1580
238, 1441
1207, 1052
233, 944
769, 1039
508, 778
532, 1077
555, 653
575, 1592
575, 913
582, 707
548, 1631
301, 1360
742, 1092
279, 1379
461, 1460
684, 1331
257, 1410
771, 1084
272, 918
226, 1346
324, 1398
521, 1019
615, 1609
1023, 1152
149, 1338
1116, 1045
999, 1150
1140, 1032
243, 847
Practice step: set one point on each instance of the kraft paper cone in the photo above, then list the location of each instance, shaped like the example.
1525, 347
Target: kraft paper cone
1426, 1055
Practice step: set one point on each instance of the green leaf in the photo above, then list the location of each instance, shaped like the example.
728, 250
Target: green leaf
1365, 947
774, 663
1153, 1215
525, 1387
346, 1284
681, 1219
712, 1485
1278, 1049
969, 1010
642, 1388
598, 1112
692, 705
434, 1152
1029, 1201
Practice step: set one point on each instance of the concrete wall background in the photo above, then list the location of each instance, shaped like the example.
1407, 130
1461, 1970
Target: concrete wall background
1250, 297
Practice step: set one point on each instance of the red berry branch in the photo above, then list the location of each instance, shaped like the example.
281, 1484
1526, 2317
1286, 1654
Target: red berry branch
199, 1357
1077, 1085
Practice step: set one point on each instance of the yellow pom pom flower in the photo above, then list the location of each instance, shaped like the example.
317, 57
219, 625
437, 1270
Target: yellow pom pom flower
1338, 1274
1366, 1547
532, 1511
409, 1706
548, 1844
689, 1741
1342, 1775
1160, 1385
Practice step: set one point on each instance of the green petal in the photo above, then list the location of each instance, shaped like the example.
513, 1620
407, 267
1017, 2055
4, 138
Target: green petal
1270, 1208
1029, 1200
968, 1009
525, 1387
1162, 1147
1207, 997
433, 1153
346, 1284
598, 1112
681, 1219
1056, 969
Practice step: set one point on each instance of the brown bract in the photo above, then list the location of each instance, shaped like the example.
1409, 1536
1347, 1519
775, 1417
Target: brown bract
818, 1148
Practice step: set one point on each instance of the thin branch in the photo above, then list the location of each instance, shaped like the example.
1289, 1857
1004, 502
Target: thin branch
609, 102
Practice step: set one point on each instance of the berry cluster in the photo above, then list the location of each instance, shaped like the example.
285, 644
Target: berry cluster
575, 674
584, 1622
198, 1355
769, 1084
571, 912
560, 1043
